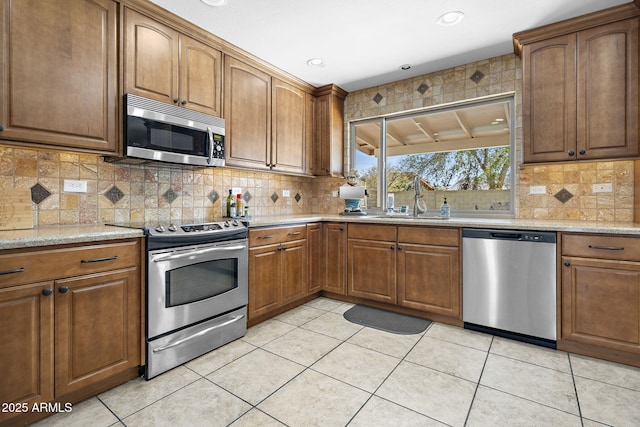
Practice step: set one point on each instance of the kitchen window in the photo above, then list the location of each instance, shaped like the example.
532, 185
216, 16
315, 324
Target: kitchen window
462, 151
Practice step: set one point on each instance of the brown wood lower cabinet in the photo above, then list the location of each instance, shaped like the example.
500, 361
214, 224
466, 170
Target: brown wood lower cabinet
412, 267
66, 339
278, 273
601, 297
335, 258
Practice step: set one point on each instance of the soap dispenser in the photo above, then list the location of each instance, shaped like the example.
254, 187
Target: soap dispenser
444, 209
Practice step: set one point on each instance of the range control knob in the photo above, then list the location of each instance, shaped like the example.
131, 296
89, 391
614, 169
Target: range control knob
173, 228
226, 223
160, 229
235, 223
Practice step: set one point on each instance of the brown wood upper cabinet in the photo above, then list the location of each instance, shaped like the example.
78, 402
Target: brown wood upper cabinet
267, 120
59, 75
162, 64
580, 87
329, 147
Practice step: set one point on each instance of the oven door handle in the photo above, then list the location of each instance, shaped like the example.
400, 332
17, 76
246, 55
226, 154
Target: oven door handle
199, 334
200, 252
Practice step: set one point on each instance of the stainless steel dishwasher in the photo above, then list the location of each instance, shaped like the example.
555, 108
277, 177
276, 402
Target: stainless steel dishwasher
509, 284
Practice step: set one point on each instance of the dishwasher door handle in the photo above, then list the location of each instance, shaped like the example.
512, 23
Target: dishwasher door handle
506, 236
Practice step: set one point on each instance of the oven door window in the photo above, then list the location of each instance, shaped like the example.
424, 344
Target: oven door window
154, 135
195, 282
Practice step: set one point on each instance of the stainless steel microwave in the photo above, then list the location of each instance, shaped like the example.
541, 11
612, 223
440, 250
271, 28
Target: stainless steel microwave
166, 133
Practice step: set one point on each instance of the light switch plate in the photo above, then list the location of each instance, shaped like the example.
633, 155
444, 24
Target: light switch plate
537, 189
602, 188
73, 186
285, 193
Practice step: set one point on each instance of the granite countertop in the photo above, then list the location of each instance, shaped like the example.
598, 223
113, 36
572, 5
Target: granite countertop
64, 234
504, 223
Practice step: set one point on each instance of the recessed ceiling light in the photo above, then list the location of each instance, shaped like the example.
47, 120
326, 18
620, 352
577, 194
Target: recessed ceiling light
450, 18
214, 2
315, 62
405, 67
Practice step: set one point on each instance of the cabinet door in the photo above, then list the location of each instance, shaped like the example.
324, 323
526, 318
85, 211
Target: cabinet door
288, 148
315, 245
295, 274
371, 270
549, 100
26, 359
429, 279
608, 91
329, 153
60, 73
601, 303
247, 113
200, 76
310, 133
335, 256
264, 280
150, 58
97, 327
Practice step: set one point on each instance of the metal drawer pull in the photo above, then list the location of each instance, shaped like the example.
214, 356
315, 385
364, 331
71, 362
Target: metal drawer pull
110, 258
199, 334
200, 252
265, 237
17, 270
295, 233
607, 248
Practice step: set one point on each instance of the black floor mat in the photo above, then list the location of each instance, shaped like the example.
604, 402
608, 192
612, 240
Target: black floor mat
386, 320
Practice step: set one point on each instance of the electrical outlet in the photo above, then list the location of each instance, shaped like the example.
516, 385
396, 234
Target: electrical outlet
334, 193
236, 190
73, 186
285, 193
602, 188
537, 189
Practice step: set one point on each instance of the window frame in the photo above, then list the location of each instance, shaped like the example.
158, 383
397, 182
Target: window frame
382, 159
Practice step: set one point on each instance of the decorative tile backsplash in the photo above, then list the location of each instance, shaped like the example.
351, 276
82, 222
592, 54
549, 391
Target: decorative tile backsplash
499, 75
153, 191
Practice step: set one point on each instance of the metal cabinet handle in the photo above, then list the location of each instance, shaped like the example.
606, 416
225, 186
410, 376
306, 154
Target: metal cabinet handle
295, 233
17, 270
200, 252
571, 153
1, 128
47, 291
567, 264
265, 237
182, 341
399, 248
607, 248
175, 100
582, 152
184, 102
63, 289
392, 248
110, 258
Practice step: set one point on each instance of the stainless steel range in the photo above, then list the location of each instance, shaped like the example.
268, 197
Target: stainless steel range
197, 291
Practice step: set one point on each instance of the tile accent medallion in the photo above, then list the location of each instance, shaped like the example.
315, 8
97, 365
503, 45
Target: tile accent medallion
170, 195
213, 196
423, 88
377, 98
114, 195
298, 197
563, 195
247, 197
39, 193
477, 76
274, 197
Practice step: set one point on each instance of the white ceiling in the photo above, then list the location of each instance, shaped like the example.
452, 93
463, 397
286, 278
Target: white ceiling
364, 42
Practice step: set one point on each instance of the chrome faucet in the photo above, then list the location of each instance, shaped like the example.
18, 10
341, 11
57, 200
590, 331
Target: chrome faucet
417, 209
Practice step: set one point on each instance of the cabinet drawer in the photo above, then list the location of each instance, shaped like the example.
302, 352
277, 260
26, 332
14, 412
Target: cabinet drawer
29, 266
273, 235
372, 232
429, 236
597, 246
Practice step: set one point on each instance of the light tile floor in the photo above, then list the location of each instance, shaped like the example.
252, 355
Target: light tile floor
311, 367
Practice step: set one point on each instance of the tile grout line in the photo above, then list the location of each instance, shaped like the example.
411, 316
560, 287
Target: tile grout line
575, 389
475, 392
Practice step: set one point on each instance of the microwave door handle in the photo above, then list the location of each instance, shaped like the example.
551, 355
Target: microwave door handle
182, 341
211, 145
200, 252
